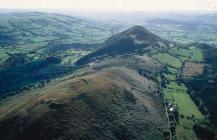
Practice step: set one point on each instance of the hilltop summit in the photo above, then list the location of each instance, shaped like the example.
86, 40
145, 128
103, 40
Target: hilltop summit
135, 39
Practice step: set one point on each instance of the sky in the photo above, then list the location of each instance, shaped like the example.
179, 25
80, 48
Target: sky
111, 5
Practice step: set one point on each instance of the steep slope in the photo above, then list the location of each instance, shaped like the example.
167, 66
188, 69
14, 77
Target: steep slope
113, 103
135, 40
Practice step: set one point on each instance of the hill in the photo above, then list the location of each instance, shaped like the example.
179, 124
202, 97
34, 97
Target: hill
136, 39
123, 105
135, 87
35, 30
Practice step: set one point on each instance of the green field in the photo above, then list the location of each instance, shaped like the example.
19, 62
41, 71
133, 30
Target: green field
186, 106
177, 95
197, 55
173, 70
71, 56
170, 77
175, 86
192, 54
176, 92
3, 56
184, 131
167, 59
181, 33
180, 51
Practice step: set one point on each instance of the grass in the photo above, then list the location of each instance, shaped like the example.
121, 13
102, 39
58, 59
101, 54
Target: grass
177, 94
183, 59
173, 70
180, 51
197, 55
170, 77
185, 134
177, 33
168, 94
178, 87
3, 56
186, 106
71, 55
110, 102
168, 59
188, 54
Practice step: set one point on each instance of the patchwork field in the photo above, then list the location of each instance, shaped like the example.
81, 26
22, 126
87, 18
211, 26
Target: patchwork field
188, 112
182, 110
199, 28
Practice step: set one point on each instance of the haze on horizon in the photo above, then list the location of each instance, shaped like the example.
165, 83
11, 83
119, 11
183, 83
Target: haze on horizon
112, 5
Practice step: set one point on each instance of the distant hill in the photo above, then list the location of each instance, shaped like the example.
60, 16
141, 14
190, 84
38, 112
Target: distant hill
136, 39
35, 30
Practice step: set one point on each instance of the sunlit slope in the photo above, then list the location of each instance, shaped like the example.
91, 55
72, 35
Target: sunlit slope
115, 103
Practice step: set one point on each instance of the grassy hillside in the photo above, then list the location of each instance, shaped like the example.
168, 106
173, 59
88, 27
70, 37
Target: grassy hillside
122, 106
